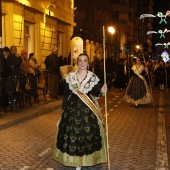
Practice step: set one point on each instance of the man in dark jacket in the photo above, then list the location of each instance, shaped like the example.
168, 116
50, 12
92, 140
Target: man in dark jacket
6, 67
52, 63
14, 61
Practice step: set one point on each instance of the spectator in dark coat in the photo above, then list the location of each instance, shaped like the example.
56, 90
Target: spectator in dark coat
52, 63
14, 61
109, 71
122, 75
6, 67
65, 61
98, 70
5, 72
5, 52
61, 60
160, 74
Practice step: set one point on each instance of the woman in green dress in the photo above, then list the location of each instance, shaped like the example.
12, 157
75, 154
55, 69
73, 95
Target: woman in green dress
80, 139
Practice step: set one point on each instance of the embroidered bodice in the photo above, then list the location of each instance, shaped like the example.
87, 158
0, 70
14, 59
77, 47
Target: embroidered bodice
138, 70
84, 86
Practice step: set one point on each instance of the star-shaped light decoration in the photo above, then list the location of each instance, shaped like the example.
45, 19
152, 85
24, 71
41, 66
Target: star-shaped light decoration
165, 56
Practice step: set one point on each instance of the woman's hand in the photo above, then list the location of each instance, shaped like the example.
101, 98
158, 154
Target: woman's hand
104, 89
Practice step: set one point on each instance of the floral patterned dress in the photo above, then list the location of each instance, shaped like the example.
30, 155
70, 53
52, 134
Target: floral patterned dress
138, 91
80, 139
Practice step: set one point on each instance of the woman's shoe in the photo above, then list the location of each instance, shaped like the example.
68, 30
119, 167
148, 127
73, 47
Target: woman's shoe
78, 168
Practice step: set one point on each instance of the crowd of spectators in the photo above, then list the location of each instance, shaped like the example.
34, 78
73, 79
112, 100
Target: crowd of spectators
15, 64
118, 72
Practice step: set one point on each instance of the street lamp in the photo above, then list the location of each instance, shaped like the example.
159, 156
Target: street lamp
111, 31
138, 47
140, 51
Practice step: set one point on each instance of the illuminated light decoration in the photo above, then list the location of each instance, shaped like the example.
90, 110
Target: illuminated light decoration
165, 56
146, 15
165, 44
159, 14
159, 32
163, 17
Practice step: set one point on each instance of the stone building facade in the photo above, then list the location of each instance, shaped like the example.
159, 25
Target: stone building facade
123, 15
38, 26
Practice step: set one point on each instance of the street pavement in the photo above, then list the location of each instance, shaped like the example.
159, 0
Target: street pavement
167, 120
138, 137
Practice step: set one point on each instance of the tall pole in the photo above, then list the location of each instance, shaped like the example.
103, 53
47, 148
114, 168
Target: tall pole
107, 132
150, 86
128, 65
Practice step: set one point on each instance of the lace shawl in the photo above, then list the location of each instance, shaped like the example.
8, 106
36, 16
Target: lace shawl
138, 71
86, 85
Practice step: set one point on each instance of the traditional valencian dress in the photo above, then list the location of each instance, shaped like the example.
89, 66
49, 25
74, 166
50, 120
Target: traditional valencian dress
138, 91
80, 139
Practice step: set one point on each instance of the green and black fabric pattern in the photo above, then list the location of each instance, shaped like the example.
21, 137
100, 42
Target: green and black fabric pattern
78, 131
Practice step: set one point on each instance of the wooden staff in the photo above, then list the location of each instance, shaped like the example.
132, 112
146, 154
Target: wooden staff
128, 67
150, 86
104, 58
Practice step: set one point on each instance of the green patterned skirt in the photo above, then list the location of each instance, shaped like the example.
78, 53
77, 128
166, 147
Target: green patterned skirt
80, 139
